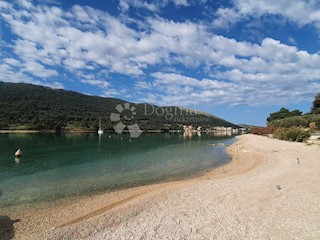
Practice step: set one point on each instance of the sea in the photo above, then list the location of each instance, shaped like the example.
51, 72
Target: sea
61, 166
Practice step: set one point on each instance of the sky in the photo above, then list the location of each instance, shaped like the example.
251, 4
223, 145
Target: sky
237, 59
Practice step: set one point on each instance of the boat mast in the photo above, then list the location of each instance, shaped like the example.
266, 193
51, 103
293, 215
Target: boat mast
100, 131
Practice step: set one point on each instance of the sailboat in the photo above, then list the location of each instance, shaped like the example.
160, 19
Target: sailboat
100, 131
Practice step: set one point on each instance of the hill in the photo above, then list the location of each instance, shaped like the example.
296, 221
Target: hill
32, 107
247, 126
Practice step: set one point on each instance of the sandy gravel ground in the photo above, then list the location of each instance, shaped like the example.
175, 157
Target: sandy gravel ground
264, 193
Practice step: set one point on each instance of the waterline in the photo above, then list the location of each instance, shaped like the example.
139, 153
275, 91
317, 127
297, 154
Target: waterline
68, 165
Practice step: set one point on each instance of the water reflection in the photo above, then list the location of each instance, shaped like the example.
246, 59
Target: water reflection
223, 133
99, 144
189, 134
17, 160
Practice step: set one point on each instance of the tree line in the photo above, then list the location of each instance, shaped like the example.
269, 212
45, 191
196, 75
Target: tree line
286, 118
32, 107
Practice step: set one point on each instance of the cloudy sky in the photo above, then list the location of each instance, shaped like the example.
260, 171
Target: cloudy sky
237, 59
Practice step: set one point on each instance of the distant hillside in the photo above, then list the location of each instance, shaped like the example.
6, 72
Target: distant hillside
31, 107
248, 126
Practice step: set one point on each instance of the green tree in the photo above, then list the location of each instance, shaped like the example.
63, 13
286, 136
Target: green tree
31, 107
316, 104
283, 113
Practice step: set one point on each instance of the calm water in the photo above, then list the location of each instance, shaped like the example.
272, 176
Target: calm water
68, 165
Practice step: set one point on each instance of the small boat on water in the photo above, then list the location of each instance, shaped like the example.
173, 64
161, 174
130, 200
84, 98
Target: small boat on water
100, 131
18, 153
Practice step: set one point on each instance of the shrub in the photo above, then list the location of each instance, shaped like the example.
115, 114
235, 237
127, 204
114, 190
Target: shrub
295, 134
316, 103
290, 121
313, 126
283, 113
297, 121
263, 130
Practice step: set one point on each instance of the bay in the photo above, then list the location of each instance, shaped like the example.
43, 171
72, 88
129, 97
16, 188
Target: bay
67, 165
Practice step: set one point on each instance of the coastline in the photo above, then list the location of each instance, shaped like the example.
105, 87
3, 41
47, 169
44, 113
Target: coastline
46, 131
238, 196
19, 131
219, 133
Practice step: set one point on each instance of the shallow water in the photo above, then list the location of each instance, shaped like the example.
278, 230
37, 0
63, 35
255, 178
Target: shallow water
67, 165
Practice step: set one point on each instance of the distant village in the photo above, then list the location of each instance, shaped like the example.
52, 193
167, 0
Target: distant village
218, 131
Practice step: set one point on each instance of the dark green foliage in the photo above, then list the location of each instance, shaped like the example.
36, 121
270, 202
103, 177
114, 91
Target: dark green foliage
302, 121
289, 122
316, 104
283, 113
30, 107
295, 134
285, 118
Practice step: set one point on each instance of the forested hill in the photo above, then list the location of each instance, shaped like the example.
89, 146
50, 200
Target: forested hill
32, 107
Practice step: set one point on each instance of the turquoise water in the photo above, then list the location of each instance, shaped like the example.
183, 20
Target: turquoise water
67, 165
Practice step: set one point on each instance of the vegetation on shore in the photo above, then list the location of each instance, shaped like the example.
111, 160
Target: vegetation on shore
285, 118
302, 121
292, 125
295, 134
283, 113
31, 107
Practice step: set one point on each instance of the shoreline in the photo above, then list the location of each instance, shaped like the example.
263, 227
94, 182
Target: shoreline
38, 206
46, 131
115, 198
19, 131
233, 191
219, 133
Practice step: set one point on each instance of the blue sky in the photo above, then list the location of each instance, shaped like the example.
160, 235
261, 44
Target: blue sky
237, 59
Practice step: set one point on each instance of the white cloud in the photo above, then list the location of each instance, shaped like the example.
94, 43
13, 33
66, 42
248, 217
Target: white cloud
10, 74
125, 5
38, 70
300, 12
56, 85
184, 3
181, 80
143, 85
12, 62
87, 42
226, 17
95, 82
292, 41
46, 36
116, 93
176, 89
154, 6
4, 5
